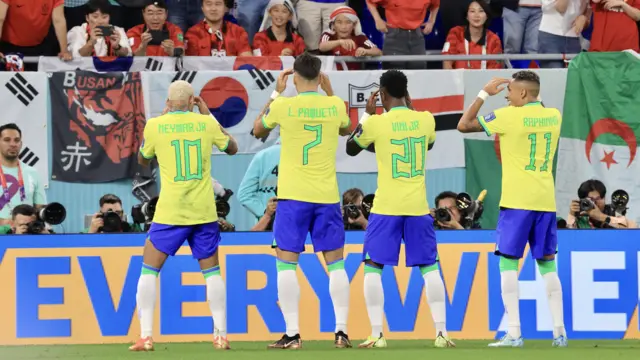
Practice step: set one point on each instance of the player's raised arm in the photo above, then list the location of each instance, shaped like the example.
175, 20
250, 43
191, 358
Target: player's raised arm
147, 149
469, 121
225, 142
266, 120
362, 137
325, 85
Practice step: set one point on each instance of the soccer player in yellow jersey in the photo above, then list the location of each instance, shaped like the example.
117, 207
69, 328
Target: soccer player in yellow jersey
400, 139
529, 134
182, 142
308, 197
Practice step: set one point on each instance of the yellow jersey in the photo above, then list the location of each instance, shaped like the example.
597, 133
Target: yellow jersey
528, 142
182, 142
401, 138
309, 129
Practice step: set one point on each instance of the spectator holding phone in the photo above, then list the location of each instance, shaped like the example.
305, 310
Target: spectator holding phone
157, 36
97, 37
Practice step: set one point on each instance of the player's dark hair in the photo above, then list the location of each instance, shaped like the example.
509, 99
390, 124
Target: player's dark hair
97, 5
350, 196
307, 66
24, 209
395, 83
592, 185
162, 4
445, 195
110, 199
10, 126
485, 7
527, 75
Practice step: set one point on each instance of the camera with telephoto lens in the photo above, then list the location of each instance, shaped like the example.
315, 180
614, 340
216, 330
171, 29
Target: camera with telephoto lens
112, 222
143, 213
222, 204
471, 209
619, 201
586, 205
351, 211
443, 215
53, 214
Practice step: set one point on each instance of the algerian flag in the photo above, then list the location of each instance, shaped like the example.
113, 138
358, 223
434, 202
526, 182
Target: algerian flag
601, 124
482, 153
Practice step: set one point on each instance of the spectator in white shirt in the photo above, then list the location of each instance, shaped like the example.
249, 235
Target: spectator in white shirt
521, 23
89, 38
560, 28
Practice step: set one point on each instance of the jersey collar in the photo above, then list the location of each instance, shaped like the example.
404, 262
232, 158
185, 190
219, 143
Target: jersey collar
399, 108
177, 112
309, 93
533, 103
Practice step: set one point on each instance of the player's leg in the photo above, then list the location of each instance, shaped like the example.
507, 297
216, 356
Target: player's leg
544, 244
513, 231
421, 250
204, 242
290, 232
162, 241
327, 235
381, 247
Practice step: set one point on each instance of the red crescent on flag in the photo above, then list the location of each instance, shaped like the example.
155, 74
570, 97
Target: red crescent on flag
616, 127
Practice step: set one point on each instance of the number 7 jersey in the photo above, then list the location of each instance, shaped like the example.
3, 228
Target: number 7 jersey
528, 142
183, 142
309, 129
401, 138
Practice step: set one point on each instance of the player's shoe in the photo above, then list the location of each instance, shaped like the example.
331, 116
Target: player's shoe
508, 341
560, 341
221, 343
143, 344
342, 341
287, 342
443, 341
374, 342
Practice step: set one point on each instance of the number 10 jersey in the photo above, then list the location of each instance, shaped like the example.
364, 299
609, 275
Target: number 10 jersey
401, 138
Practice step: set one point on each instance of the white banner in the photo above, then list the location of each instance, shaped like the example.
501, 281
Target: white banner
106, 64
236, 99
23, 100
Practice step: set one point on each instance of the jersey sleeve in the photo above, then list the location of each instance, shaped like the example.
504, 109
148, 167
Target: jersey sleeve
451, 45
219, 139
270, 118
345, 121
134, 38
242, 43
431, 122
367, 133
148, 149
495, 122
260, 45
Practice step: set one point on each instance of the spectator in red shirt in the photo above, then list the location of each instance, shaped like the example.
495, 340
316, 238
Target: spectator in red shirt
402, 28
474, 38
24, 26
155, 20
345, 38
215, 36
614, 27
277, 36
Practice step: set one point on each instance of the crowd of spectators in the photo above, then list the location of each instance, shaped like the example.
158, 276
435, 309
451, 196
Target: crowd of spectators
76, 28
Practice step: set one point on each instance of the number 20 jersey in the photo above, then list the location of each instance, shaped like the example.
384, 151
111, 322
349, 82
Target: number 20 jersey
528, 141
401, 138
309, 129
183, 142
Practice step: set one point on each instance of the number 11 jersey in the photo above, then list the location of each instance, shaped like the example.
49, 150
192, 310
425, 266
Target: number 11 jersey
528, 141
183, 142
401, 138
309, 129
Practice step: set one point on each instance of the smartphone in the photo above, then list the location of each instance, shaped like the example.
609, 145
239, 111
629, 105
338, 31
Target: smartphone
106, 30
158, 36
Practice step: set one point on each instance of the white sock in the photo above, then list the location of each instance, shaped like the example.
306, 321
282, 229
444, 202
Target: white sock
511, 300
436, 297
217, 297
554, 294
289, 297
374, 298
339, 290
146, 299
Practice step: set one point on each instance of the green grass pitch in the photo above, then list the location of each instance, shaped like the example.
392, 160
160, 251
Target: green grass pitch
397, 350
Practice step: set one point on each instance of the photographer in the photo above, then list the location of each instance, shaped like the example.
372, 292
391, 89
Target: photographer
23, 219
447, 201
591, 212
111, 218
266, 221
354, 218
222, 206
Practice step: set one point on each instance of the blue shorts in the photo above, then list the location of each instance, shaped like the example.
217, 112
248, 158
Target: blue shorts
518, 227
385, 233
295, 219
203, 239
